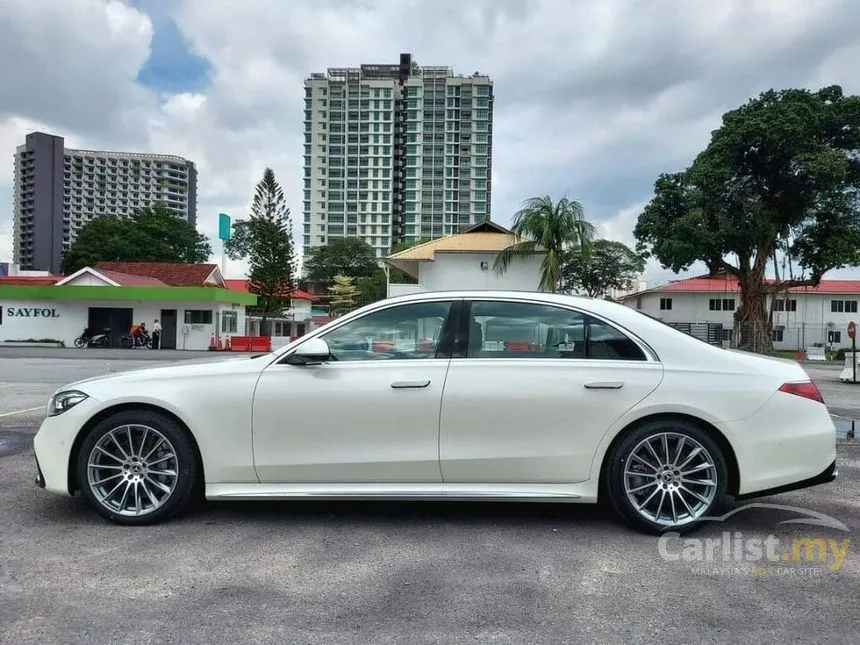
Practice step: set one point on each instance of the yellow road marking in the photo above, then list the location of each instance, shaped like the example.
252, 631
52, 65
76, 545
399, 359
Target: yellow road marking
9, 414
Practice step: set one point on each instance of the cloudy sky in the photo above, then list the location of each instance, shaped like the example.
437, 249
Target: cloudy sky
594, 98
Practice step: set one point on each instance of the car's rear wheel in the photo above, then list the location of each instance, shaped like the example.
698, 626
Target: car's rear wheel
137, 467
666, 475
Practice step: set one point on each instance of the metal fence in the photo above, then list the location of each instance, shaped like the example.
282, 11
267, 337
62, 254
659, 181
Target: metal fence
760, 337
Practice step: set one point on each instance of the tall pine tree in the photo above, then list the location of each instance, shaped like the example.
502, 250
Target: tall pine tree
266, 240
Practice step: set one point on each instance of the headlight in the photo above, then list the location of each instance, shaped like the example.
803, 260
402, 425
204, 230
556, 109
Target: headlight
63, 401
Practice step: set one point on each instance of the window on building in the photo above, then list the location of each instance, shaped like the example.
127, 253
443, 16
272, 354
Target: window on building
522, 330
843, 306
727, 334
785, 305
777, 335
721, 304
665, 304
834, 337
229, 322
198, 316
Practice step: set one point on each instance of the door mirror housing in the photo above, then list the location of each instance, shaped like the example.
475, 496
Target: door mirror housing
312, 352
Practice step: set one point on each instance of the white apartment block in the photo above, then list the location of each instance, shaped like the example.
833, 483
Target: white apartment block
57, 190
395, 153
803, 317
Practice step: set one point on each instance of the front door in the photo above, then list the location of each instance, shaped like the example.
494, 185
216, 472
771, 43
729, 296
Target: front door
370, 414
532, 392
114, 321
168, 329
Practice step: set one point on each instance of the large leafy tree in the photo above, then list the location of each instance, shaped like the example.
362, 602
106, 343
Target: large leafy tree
266, 240
780, 177
347, 256
606, 266
554, 227
153, 234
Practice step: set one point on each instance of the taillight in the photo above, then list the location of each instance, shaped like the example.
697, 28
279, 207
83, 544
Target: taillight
806, 389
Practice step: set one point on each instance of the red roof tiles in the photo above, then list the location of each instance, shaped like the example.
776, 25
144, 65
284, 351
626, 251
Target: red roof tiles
30, 280
728, 283
172, 274
242, 284
126, 280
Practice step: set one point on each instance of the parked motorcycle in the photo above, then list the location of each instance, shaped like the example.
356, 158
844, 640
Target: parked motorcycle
130, 342
88, 338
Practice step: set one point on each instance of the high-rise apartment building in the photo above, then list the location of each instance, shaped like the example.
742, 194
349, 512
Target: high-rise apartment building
395, 153
57, 190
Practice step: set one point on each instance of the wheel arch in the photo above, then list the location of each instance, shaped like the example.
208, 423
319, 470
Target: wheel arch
719, 438
101, 415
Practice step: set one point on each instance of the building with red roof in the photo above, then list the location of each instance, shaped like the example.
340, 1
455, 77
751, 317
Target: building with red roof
192, 303
297, 318
802, 316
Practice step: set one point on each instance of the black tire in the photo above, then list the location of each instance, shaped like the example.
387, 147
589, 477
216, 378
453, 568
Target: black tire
617, 462
80, 342
187, 480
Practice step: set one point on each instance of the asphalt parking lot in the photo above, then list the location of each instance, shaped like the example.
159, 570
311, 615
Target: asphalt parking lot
400, 573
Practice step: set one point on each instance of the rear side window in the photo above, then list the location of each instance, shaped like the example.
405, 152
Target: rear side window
499, 329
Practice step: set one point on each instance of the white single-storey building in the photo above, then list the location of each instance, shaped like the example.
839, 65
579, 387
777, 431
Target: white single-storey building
191, 301
465, 261
803, 317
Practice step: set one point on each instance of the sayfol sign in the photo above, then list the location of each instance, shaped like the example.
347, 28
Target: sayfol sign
852, 329
31, 312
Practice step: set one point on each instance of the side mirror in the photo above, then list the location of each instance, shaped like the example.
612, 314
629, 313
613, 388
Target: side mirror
311, 352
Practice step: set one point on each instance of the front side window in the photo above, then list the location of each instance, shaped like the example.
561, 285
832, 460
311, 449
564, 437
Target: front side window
525, 330
412, 331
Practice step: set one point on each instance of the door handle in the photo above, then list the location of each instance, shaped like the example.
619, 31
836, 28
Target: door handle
402, 385
605, 385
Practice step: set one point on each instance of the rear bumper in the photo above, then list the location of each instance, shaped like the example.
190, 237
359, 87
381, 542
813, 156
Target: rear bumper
789, 443
828, 475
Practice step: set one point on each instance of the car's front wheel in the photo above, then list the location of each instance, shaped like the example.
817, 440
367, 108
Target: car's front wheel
666, 475
137, 467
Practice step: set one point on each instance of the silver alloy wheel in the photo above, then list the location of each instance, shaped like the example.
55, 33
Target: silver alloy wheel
132, 470
670, 479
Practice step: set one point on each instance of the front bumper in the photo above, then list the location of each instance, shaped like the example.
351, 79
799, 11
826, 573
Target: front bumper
40, 478
53, 445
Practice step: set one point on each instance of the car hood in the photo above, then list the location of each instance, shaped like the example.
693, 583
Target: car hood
186, 369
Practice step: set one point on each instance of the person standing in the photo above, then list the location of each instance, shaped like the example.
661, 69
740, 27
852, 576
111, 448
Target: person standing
156, 335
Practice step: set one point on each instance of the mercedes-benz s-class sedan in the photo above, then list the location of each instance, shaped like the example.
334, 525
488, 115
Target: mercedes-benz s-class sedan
453, 396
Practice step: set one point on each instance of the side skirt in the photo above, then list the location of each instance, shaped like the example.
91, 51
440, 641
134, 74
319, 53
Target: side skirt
584, 492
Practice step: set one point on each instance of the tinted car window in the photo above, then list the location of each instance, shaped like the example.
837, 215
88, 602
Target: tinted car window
500, 329
410, 331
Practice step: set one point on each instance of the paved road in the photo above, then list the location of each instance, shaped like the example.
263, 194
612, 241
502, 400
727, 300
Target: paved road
394, 573
115, 354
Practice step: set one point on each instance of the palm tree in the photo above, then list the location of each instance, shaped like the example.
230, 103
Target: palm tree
550, 227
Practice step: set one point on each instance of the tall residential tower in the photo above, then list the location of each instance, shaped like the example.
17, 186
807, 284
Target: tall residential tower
395, 153
58, 189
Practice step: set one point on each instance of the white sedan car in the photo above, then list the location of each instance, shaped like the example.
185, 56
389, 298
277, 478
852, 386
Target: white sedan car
456, 396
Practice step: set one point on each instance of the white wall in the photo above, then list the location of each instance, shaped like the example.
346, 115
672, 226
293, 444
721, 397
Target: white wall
396, 289
65, 320
804, 327
463, 271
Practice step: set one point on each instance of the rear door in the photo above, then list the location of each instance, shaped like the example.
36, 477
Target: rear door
532, 388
